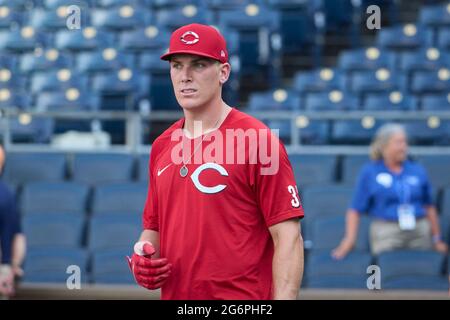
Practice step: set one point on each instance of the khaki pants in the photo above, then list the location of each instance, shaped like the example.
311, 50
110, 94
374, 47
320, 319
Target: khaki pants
387, 236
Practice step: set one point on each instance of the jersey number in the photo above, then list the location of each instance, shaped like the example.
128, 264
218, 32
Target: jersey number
294, 192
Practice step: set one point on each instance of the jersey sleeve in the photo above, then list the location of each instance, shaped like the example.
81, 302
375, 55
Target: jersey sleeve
275, 184
361, 195
150, 216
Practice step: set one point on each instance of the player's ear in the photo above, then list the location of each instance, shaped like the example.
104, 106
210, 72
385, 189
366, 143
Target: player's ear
225, 70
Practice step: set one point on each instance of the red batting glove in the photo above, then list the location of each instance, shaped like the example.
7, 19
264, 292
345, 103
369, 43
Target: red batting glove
148, 273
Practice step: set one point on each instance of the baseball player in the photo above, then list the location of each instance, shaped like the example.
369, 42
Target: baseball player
220, 222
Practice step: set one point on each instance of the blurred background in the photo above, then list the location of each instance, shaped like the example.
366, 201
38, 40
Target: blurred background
80, 108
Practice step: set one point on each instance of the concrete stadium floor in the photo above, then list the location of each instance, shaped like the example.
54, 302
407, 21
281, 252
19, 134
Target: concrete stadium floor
127, 292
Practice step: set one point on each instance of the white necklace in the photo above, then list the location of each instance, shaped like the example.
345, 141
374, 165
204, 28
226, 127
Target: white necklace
184, 170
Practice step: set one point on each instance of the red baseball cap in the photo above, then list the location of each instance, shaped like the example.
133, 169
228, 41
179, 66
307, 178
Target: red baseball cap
198, 39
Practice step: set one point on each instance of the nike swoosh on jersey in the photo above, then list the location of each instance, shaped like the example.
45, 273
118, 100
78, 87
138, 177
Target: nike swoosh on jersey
162, 170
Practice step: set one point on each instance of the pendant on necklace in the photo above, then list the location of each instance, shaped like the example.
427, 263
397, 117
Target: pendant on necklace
183, 171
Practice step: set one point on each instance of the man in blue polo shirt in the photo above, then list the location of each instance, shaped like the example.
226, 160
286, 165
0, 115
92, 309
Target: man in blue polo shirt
397, 194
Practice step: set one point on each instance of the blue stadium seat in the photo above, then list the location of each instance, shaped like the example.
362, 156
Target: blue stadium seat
326, 200
222, 5
71, 99
282, 128
121, 198
435, 102
334, 100
22, 40
419, 270
443, 40
366, 59
144, 39
58, 80
354, 131
390, 101
273, 100
111, 267
322, 271
433, 131
436, 15
54, 4
14, 99
175, 17
436, 167
318, 80
111, 3
11, 80
431, 59
102, 168
122, 81
431, 81
44, 265
26, 128
327, 232
54, 197
381, 80
50, 59
445, 203
313, 132
88, 38
113, 232
10, 17
314, 169
48, 20
8, 61
150, 61
402, 37
56, 230
160, 4
125, 17
143, 166
351, 167
23, 168
100, 61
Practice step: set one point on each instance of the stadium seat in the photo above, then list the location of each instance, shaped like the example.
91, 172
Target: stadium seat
142, 167
322, 271
57, 230
443, 40
428, 59
26, 128
326, 233
48, 19
402, 37
390, 101
433, 131
274, 100
222, 5
86, 39
23, 168
435, 102
445, 203
106, 60
144, 39
111, 3
71, 99
113, 232
351, 167
111, 267
437, 169
122, 81
125, 17
435, 15
10, 17
334, 100
366, 59
419, 270
54, 4
326, 200
22, 40
102, 168
14, 99
10, 80
381, 80
437, 81
174, 17
54, 197
44, 265
313, 132
318, 80
313, 169
60, 80
50, 59
121, 198
358, 132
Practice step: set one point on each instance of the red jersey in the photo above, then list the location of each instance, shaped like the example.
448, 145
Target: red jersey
213, 223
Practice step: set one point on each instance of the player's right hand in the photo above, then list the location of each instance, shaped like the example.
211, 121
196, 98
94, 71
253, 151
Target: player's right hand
148, 272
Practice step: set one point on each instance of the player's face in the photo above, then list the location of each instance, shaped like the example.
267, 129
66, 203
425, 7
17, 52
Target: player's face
397, 148
197, 81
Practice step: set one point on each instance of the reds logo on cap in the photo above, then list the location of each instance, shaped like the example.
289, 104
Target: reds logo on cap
185, 35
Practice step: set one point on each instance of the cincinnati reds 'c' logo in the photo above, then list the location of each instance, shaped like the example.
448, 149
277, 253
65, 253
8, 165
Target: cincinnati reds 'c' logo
190, 35
213, 166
